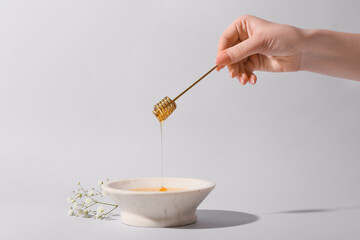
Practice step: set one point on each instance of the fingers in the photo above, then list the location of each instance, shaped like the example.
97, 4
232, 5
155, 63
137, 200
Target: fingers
242, 75
236, 45
228, 38
235, 32
233, 70
247, 78
218, 68
252, 79
243, 78
240, 51
223, 59
250, 67
246, 71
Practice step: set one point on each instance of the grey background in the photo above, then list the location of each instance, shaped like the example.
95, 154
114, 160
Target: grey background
78, 81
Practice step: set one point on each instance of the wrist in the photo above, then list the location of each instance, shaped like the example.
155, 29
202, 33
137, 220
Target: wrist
311, 48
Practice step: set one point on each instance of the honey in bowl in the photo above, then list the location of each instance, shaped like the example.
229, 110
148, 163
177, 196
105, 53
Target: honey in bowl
157, 189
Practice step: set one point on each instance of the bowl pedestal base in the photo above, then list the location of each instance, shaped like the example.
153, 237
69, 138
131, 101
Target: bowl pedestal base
174, 220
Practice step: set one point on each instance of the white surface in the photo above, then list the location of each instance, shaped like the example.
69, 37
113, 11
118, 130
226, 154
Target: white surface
78, 81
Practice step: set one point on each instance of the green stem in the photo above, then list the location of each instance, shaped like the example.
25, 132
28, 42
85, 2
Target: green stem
109, 204
96, 200
90, 205
97, 191
111, 210
86, 193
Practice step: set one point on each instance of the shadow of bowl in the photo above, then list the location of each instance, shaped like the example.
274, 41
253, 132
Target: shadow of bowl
220, 219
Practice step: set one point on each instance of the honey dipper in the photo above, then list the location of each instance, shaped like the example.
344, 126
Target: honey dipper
166, 106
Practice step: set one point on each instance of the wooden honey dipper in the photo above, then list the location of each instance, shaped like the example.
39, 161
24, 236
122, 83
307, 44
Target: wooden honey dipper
166, 106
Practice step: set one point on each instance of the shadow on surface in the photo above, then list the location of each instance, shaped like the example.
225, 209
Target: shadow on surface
316, 210
112, 217
220, 219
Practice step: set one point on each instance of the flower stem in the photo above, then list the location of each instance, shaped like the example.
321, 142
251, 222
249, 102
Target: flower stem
109, 204
111, 210
95, 202
90, 205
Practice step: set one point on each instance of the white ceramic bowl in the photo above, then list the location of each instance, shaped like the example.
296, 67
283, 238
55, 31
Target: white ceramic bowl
158, 209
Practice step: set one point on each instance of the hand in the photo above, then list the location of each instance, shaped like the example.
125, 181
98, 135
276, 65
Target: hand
252, 44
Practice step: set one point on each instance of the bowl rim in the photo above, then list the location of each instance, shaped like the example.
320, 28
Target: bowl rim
107, 189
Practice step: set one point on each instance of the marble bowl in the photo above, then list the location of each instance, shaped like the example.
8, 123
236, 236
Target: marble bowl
158, 209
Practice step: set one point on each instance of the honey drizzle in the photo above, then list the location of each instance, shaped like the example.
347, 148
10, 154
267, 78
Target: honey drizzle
162, 188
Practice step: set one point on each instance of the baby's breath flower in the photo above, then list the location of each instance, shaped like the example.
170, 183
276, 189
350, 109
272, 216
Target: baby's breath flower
84, 200
70, 200
100, 210
88, 200
75, 205
103, 193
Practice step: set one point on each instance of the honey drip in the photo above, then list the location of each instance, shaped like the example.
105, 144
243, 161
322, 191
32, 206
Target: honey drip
162, 188
162, 151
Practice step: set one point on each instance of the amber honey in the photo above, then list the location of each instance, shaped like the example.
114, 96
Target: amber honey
157, 189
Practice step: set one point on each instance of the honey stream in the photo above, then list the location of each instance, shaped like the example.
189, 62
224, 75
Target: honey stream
162, 188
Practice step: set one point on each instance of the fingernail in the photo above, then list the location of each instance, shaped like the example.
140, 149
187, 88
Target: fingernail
220, 67
223, 59
252, 79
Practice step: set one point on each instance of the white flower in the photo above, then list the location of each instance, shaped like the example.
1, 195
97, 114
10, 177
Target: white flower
80, 212
91, 193
88, 200
70, 200
86, 213
104, 193
99, 216
100, 210
75, 205
78, 183
100, 182
79, 195
70, 212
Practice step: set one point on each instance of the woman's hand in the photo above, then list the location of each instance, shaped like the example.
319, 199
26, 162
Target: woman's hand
252, 44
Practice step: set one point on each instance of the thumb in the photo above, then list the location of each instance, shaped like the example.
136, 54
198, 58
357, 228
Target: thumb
240, 51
